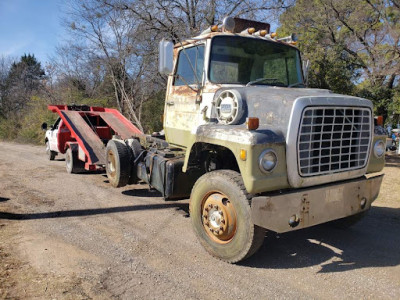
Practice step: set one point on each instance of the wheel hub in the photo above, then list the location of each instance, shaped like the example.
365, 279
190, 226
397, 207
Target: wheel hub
219, 217
111, 163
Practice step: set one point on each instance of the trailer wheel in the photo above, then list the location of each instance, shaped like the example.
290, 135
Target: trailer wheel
348, 222
50, 154
221, 217
137, 149
118, 163
73, 163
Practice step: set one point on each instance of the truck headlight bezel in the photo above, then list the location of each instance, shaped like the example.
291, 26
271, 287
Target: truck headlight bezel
379, 149
267, 161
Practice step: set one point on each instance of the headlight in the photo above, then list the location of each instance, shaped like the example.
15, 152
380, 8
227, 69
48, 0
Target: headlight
379, 149
268, 161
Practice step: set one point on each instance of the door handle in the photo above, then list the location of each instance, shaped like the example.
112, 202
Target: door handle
170, 103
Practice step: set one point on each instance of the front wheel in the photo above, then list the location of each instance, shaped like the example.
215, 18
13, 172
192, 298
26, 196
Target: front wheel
50, 154
221, 216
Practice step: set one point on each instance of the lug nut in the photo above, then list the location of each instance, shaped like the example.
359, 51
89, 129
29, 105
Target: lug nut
221, 213
206, 209
210, 205
217, 231
221, 228
207, 224
222, 221
205, 216
212, 230
216, 207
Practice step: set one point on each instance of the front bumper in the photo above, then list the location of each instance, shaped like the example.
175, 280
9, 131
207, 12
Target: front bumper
315, 205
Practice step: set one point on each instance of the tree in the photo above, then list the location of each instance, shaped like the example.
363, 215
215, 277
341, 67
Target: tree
350, 43
23, 79
122, 36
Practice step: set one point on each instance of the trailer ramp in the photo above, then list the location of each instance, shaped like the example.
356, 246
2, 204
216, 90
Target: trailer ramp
84, 133
87, 135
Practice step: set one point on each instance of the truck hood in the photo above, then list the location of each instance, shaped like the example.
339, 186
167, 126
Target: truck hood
273, 105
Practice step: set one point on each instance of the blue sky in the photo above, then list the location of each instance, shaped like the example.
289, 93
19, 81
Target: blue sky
30, 26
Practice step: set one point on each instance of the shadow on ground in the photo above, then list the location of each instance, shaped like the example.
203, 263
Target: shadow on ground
373, 242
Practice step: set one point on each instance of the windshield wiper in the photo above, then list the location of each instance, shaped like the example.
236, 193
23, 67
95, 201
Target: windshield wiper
274, 81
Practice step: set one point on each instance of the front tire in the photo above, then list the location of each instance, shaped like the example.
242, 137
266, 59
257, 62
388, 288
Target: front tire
118, 164
50, 154
221, 216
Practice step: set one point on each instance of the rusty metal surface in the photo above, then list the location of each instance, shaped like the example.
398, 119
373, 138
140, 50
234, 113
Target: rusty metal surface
242, 24
219, 217
87, 139
116, 124
314, 206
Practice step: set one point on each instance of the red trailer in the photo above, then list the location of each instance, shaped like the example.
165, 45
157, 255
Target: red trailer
82, 133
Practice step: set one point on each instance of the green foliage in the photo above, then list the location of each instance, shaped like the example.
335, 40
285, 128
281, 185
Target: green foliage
351, 46
152, 113
36, 113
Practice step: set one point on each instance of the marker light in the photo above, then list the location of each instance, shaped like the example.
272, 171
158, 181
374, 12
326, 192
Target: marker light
214, 28
273, 35
379, 121
252, 123
243, 154
263, 32
249, 30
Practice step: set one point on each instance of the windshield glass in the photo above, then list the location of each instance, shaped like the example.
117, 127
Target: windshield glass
241, 60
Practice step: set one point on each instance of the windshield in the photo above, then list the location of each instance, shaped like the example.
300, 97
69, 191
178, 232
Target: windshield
241, 60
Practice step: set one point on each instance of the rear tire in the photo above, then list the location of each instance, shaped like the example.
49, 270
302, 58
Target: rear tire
221, 216
50, 154
73, 164
118, 163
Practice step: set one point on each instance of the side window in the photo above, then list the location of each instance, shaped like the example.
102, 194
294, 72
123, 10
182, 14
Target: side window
57, 123
190, 66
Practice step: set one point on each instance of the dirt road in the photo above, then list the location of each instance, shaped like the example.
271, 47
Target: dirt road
75, 237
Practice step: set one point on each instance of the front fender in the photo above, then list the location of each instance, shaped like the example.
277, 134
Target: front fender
237, 138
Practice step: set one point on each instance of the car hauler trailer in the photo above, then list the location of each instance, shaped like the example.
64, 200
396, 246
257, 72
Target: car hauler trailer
82, 132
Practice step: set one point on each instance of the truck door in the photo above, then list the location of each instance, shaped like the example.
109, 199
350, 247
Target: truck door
53, 136
181, 107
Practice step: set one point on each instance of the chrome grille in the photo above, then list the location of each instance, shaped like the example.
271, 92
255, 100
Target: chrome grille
333, 139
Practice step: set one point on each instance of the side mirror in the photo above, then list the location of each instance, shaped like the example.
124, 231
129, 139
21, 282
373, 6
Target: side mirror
44, 126
306, 69
166, 57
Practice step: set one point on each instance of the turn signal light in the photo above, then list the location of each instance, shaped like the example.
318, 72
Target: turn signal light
252, 123
379, 120
243, 154
263, 32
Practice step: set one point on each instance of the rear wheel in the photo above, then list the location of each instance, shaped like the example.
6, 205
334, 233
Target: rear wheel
73, 163
221, 216
118, 164
50, 154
